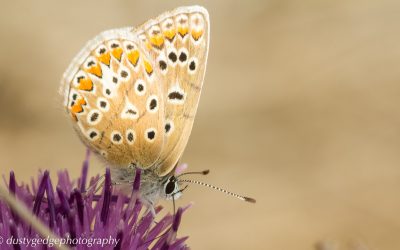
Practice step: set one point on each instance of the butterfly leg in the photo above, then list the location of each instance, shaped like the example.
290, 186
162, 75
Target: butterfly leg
93, 186
179, 191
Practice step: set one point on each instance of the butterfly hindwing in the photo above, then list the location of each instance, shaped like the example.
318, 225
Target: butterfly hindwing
116, 106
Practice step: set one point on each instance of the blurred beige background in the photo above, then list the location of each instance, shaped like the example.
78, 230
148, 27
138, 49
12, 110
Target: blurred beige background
300, 110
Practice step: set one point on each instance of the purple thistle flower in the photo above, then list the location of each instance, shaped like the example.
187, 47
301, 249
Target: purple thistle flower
85, 220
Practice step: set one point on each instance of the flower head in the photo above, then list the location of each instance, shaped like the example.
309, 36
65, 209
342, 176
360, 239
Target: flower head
84, 220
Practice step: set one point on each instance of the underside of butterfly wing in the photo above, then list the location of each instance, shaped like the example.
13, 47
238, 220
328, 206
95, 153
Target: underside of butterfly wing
177, 42
133, 93
112, 95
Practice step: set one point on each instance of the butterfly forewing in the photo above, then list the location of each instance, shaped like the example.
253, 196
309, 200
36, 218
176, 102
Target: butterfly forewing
114, 101
178, 44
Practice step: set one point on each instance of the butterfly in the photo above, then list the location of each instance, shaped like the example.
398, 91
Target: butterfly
132, 96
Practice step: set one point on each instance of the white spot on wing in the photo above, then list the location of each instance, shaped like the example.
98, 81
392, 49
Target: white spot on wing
92, 134
104, 153
176, 89
136, 87
197, 25
129, 111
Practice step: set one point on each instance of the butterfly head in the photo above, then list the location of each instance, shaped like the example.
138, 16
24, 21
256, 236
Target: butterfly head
152, 186
171, 188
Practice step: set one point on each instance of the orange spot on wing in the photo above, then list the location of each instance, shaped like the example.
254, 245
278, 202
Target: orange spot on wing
170, 34
105, 58
117, 53
148, 45
182, 31
148, 67
157, 41
77, 108
133, 57
85, 84
196, 34
95, 70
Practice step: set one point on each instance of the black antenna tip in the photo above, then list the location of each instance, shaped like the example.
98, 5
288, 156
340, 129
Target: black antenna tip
206, 172
248, 199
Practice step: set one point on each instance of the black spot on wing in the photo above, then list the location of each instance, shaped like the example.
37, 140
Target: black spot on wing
92, 134
163, 65
153, 104
94, 117
172, 56
182, 57
117, 137
151, 135
175, 95
167, 127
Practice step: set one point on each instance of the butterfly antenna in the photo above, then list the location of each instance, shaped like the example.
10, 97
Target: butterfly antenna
243, 198
204, 172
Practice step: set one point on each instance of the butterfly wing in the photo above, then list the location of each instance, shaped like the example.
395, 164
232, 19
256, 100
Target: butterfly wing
177, 42
133, 93
111, 94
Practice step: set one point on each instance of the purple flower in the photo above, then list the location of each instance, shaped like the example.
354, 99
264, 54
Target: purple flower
85, 220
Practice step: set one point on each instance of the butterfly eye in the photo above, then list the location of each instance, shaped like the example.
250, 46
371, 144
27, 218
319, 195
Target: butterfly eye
170, 187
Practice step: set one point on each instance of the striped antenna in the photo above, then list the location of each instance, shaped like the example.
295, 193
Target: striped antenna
243, 198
